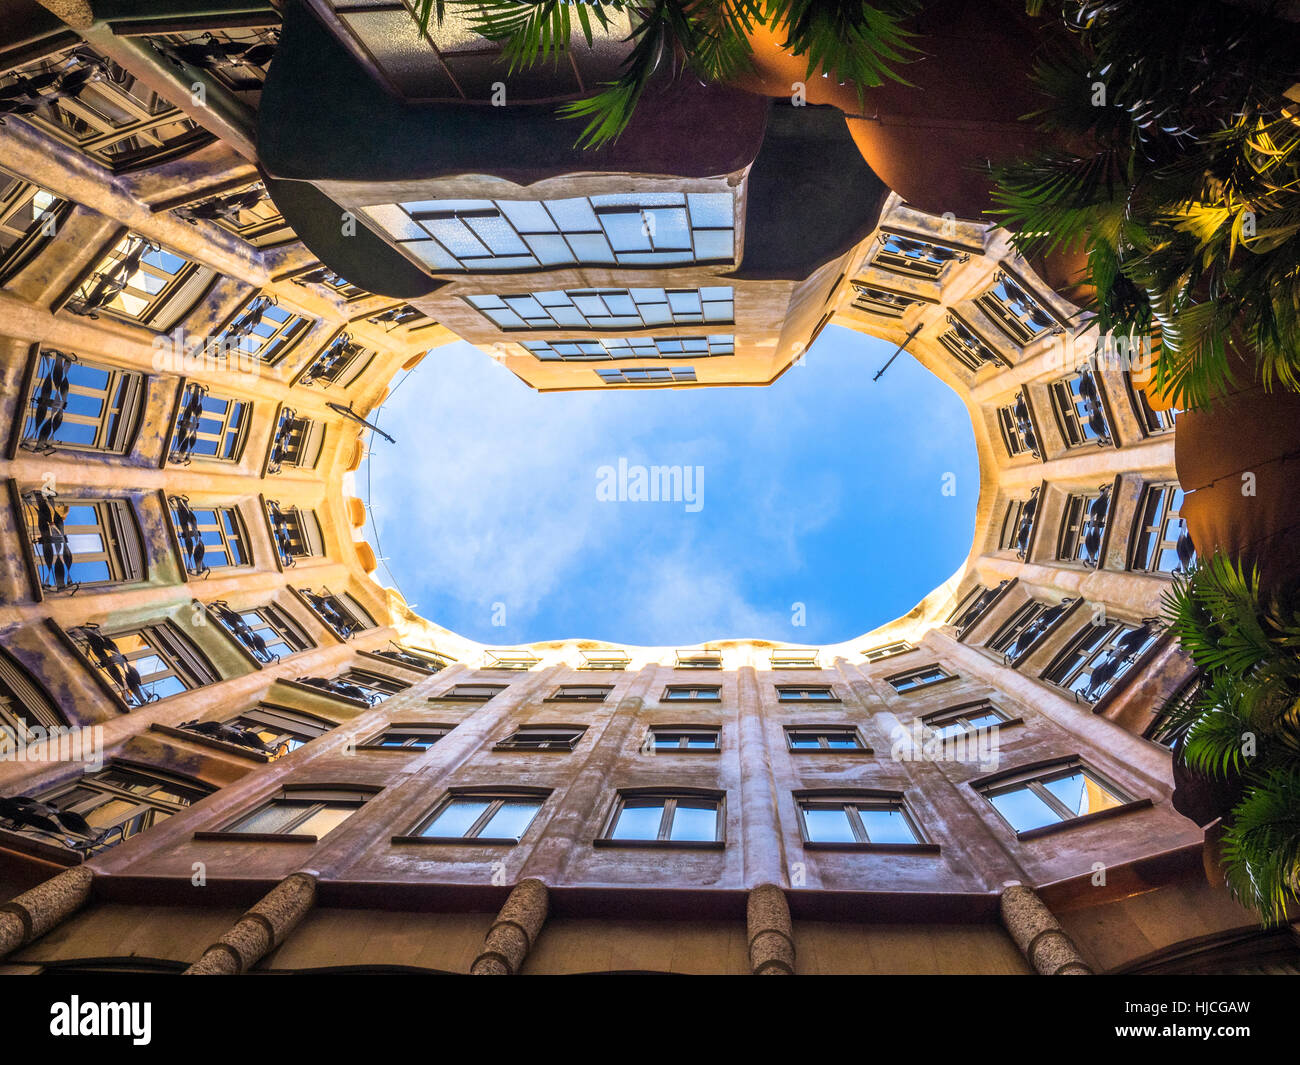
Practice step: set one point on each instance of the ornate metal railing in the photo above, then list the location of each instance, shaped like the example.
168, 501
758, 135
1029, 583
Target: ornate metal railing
1026, 529
283, 529
331, 612
64, 827
26, 94
343, 688
105, 285
1093, 527
1031, 633
186, 435
49, 401
110, 661
973, 612
187, 533
1025, 424
331, 362
49, 542
230, 732
234, 624
222, 208
1115, 662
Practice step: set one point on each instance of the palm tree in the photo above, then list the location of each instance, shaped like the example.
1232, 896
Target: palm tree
1178, 172
1241, 721
854, 41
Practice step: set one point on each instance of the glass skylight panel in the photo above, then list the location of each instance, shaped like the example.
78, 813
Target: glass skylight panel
616, 308
632, 348
632, 229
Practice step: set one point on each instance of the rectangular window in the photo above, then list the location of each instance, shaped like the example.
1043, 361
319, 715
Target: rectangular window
294, 531
795, 658
375, 687
823, 738
248, 213
483, 817
1162, 543
967, 346
699, 658
340, 362
912, 257
210, 537
875, 654
647, 375
82, 405
28, 217
876, 300
709, 693
117, 803
80, 543
580, 693
919, 678
852, 821
1027, 626
675, 347
306, 814
1098, 656
279, 730
1153, 421
144, 664
1011, 307
341, 613
1016, 423
790, 693
519, 661
634, 229
542, 738
617, 308
264, 330
407, 737
1083, 527
141, 282
674, 738
208, 426
667, 818
964, 720
1011, 525
1080, 412
612, 660
266, 632
297, 443
1052, 796
476, 693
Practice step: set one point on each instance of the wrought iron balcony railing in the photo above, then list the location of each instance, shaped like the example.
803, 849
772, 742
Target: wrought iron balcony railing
222, 208
64, 827
332, 612
229, 732
1026, 529
284, 531
332, 361
233, 623
1025, 425
1037, 628
186, 435
50, 542
1115, 662
973, 612
49, 401
287, 434
430, 660
189, 536
26, 95
106, 284
110, 661
343, 688
242, 327
1093, 529
1093, 409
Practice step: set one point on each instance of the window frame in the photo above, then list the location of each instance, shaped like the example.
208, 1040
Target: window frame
1032, 778
784, 693
671, 797
495, 798
514, 743
946, 676
822, 734
316, 799
849, 801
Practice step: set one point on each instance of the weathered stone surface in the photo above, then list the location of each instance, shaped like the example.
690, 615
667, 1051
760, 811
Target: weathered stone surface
33, 913
260, 929
1038, 934
771, 942
515, 930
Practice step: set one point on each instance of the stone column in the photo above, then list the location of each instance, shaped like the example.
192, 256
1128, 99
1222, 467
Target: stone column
1039, 935
515, 930
260, 929
76, 13
771, 938
35, 912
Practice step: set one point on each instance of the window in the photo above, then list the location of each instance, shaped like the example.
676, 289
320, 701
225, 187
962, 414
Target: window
146, 663
279, 730
208, 426
581, 693
24, 706
101, 809
699, 658
374, 687
647, 375
611, 660
973, 606
141, 282
472, 693
967, 346
407, 737
78, 543
823, 738
876, 300
302, 814
209, 537
1012, 309
911, 257
266, 632
678, 738
297, 443
633, 229
237, 56
919, 678
428, 661
1011, 524
1026, 627
248, 213
854, 821
710, 693
508, 659
1016, 423
965, 720
264, 330
81, 405
341, 613
339, 362
101, 109
484, 817
616, 308
323, 275
1162, 543
294, 531
1052, 796
875, 654
666, 817
789, 693
28, 217
632, 348
1153, 421
1080, 412
1083, 527
1098, 656
542, 738
795, 658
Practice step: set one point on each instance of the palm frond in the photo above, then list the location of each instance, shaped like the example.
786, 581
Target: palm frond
1261, 845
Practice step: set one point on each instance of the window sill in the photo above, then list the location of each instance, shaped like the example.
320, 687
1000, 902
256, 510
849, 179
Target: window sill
509, 749
382, 747
1086, 819
659, 752
851, 751
255, 837
215, 744
925, 687
874, 848
663, 844
476, 841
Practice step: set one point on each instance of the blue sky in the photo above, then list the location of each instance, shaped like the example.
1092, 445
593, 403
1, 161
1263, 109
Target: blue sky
825, 489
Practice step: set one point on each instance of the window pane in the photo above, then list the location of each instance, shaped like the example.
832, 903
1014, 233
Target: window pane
886, 826
1080, 794
456, 817
274, 818
828, 825
326, 820
1023, 809
511, 820
639, 820
695, 821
